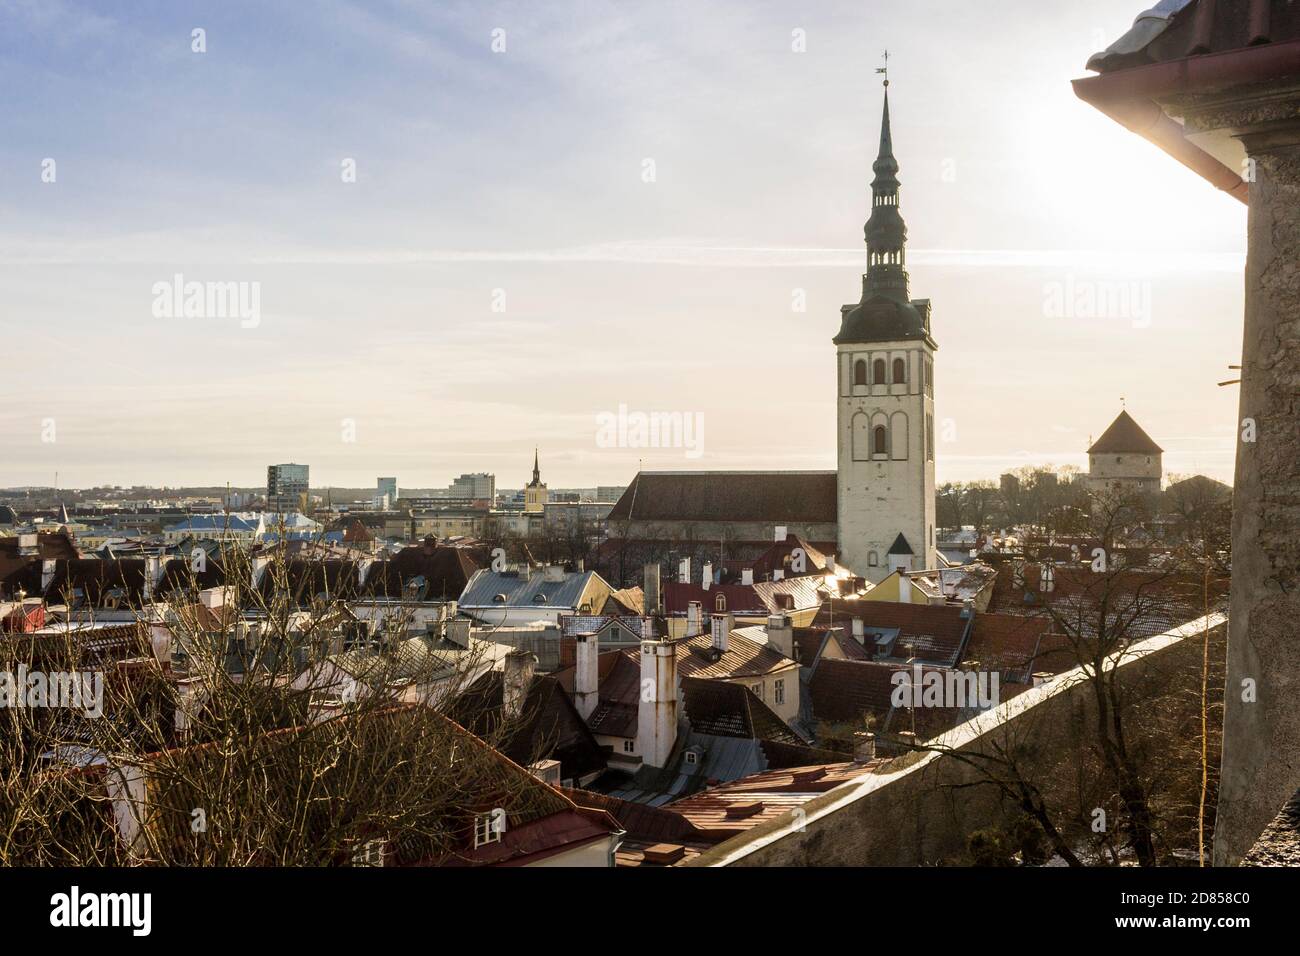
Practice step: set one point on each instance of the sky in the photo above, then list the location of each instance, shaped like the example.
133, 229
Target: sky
476, 228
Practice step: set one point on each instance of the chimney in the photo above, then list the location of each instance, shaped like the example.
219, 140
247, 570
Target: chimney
778, 575
458, 631
967, 609
648, 628
586, 677
656, 719
706, 576
694, 618
864, 747
859, 631
721, 630
830, 564
747, 577
153, 572
191, 694
516, 678
780, 635
553, 573
684, 571
780, 533
650, 576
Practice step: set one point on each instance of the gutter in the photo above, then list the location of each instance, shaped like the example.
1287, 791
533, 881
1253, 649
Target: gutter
1129, 96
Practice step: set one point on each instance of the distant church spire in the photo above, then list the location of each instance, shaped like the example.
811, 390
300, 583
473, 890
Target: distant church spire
537, 473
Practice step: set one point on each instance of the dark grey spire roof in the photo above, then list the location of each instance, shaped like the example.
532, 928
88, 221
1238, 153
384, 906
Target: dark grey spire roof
885, 312
900, 546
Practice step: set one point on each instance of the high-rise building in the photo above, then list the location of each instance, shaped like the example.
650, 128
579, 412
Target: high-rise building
477, 486
886, 398
287, 487
386, 486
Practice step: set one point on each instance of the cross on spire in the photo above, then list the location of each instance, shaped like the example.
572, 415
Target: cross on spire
885, 69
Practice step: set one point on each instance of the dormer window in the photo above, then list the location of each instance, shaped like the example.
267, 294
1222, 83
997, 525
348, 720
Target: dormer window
539, 598
488, 827
498, 599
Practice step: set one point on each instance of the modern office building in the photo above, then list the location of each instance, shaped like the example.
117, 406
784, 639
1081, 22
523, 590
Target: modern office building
287, 487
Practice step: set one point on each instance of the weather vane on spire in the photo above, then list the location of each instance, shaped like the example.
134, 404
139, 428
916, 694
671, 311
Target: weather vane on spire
885, 69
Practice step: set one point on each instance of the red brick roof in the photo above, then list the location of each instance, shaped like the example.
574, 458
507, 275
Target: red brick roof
934, 631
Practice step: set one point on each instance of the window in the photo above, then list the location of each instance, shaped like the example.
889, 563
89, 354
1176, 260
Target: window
629, 746
758, 690
878, 371
488, 827
720, 603
692, 757
778, 690
872, 559
861, 427
879, 441
860, 372
900, 371
370, 853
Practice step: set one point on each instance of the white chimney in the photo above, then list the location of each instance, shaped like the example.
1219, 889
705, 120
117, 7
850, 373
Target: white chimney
684, 571
647, 628
458, 631
706, 576
656, 719
214, 598
553, 573
720, 631
153, 572
747, 576
586, 677
780, 634
694, 618
778, 575
830, 564
780, 533
191, 694
859, 632
517, 677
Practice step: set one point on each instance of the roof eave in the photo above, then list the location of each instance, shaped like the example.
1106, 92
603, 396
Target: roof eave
1128, 96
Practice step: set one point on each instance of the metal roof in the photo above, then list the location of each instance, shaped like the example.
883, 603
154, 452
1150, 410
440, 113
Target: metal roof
525, 590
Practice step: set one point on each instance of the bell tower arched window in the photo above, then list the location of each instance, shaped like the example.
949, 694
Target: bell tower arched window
900, 371
880, 440
878, 371
860, 372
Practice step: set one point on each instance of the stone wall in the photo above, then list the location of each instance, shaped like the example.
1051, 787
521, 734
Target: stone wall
912, 815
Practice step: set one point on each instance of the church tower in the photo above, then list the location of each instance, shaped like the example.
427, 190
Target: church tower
885, 419
535, 493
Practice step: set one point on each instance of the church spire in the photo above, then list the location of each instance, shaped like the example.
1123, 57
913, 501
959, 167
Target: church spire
537, 474
885, 232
